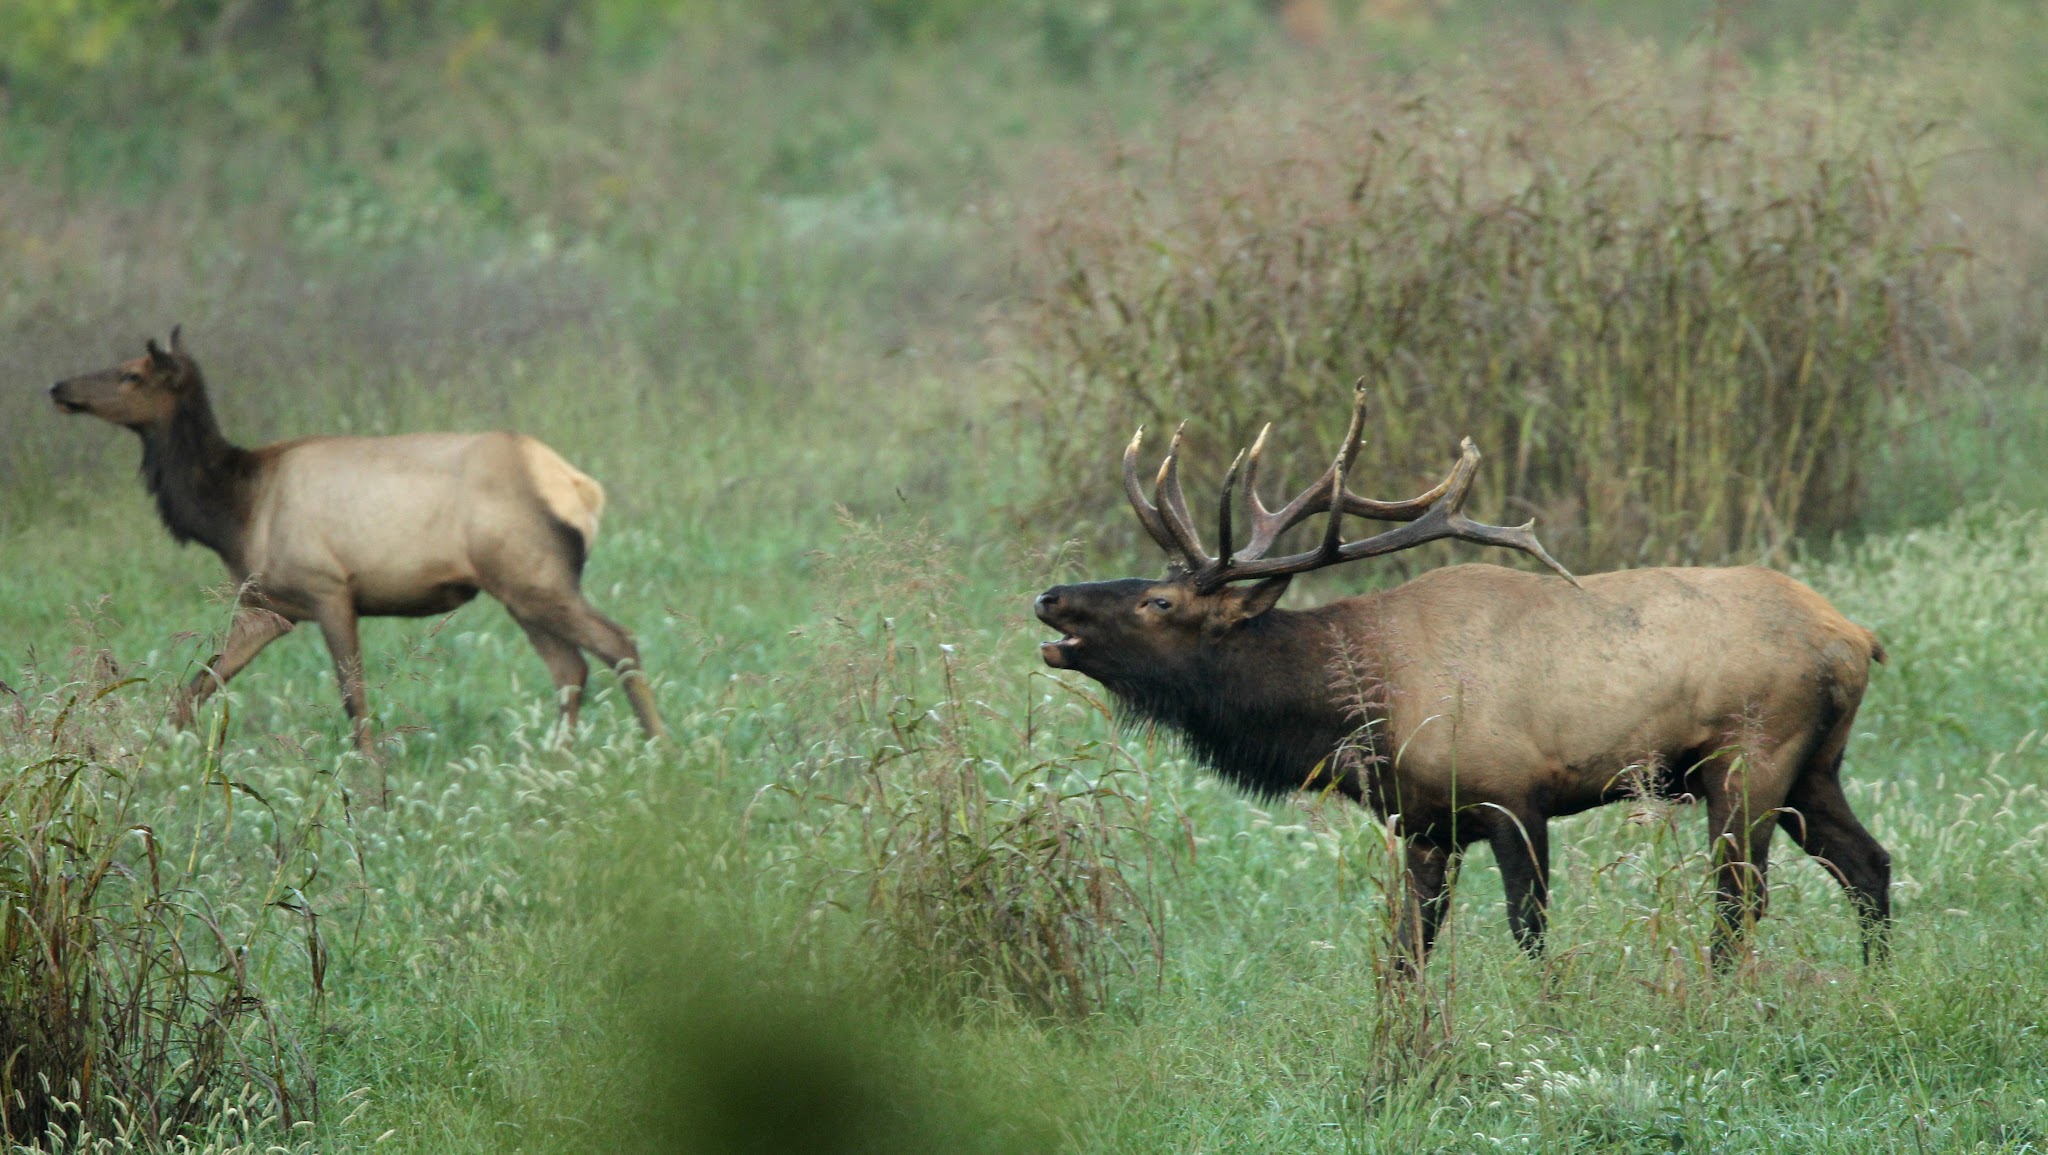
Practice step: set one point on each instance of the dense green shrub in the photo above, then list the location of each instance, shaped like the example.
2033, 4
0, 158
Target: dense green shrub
1677, 316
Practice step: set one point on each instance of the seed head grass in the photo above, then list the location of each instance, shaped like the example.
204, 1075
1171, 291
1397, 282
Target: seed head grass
127, 1004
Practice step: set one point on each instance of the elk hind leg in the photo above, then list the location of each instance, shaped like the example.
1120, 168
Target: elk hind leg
339, 626
1818, 818
1521, 848
566, 666
570, 617
252, 629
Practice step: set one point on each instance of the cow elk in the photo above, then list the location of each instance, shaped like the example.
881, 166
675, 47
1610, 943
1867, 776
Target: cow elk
1478, 702
332, 529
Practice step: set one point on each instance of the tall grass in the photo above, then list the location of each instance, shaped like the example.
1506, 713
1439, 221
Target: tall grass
995, 861
127, 1007
1676, 311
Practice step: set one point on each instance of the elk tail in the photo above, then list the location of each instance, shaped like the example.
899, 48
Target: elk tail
592, 495
571, 496
1877, 653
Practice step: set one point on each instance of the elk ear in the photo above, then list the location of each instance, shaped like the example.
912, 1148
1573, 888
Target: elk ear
1254, 600
177, 343
157, 356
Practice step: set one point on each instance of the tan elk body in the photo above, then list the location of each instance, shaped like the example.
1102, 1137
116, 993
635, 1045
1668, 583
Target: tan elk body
1488, 694
1476, 702
333, 529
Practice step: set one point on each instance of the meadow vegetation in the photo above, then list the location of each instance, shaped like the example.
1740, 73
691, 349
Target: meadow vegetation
851, 304
1678, 315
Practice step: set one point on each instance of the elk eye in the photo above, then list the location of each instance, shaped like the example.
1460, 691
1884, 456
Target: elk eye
1159, 604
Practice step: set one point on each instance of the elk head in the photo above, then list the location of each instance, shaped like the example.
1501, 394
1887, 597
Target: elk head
1134, 630
139, 393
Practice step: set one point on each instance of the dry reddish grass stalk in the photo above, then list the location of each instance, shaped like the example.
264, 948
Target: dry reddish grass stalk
1676, 308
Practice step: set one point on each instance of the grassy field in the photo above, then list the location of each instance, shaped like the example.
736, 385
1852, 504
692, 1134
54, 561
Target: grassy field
892, 885
477, 925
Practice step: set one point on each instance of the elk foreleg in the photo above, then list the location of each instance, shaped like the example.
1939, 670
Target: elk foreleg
1428, 901
1742, 826
1521, 847
339, 627
1818, 818
252, 629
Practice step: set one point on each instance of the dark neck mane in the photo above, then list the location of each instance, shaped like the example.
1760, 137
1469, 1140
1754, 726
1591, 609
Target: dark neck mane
200, 480
1262, 712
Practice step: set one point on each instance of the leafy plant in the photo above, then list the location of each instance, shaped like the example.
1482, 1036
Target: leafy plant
126, 1001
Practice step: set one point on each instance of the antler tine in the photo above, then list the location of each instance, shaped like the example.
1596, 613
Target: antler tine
1268, 525
1443, 519
1366, 507
1223, 534
1173, 506
1333, 529
1355, 435
1148, 514
1251, 476
1407, 510
1446, 519
1521, 537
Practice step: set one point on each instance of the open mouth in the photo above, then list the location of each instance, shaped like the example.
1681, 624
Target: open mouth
1059, 655
64, 406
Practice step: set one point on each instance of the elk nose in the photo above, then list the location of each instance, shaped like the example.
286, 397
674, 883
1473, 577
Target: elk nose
1047, 600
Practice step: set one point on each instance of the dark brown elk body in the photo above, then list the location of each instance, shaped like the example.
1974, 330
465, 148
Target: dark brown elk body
1477, 702
331, 529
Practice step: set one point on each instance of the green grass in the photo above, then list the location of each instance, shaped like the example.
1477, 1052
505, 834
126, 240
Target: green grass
475, 925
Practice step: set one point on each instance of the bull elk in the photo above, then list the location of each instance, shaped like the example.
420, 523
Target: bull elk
332, 529
1478, 702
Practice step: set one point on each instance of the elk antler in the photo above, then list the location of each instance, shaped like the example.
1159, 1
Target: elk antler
1436, 514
